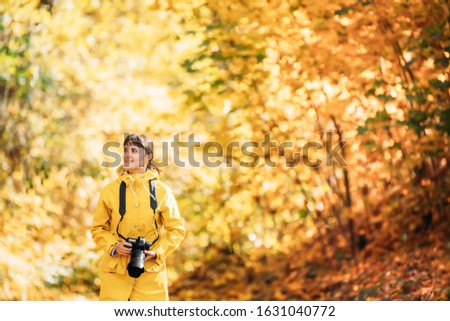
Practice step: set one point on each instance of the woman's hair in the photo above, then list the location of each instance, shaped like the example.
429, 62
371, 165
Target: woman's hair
142, 141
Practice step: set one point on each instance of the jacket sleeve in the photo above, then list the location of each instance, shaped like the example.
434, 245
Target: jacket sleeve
173, 224
101, 225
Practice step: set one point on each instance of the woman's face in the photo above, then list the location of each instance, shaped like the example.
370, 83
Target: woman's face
134, 157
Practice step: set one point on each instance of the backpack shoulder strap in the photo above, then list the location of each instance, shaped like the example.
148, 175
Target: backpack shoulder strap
153, 200
122, 199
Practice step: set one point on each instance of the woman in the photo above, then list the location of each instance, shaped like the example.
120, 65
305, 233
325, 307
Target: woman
135, 206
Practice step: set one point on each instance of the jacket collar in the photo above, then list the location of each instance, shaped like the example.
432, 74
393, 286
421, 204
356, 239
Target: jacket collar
141, 177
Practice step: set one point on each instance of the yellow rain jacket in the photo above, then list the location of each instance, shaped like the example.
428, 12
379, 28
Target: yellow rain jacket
138, 220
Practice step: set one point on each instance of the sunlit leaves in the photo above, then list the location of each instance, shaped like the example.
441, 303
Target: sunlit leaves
75, 74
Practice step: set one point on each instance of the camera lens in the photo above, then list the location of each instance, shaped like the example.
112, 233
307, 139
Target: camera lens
136, 266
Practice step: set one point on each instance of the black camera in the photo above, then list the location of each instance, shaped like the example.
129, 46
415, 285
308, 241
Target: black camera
136, 266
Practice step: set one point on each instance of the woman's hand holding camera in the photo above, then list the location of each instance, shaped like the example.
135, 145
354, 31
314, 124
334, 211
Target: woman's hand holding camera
124, 248
150, 255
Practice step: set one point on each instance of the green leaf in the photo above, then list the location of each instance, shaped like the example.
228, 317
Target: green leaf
409, 96
441, 85
342, 11
382, 115
424, 44
434, 32
385, 97
379, 82
368, 292
260, 57
370, 92
417, 115
416, 118
362, 130
365, 3
303, 213
444, 61
241, 46
218, 56
217, 83
444, 122
369, 143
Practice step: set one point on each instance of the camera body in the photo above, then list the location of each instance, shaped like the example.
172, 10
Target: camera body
136, 266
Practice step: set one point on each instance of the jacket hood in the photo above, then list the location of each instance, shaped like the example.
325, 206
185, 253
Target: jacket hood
129, 178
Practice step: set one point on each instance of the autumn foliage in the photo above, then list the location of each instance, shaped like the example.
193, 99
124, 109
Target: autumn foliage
362, 214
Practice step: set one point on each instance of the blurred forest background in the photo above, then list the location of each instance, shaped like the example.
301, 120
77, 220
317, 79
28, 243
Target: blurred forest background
76, 74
